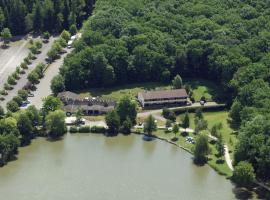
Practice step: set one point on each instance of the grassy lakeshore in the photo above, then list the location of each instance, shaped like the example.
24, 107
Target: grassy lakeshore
217, 163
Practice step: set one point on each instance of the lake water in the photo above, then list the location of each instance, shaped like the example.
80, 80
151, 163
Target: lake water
94, 167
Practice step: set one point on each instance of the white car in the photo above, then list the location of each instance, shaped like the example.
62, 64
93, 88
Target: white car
69, 45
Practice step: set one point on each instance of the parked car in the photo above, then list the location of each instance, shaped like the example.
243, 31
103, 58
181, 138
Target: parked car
31, 95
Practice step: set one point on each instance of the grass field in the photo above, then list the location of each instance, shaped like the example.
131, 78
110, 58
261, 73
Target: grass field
214, 118
200, 88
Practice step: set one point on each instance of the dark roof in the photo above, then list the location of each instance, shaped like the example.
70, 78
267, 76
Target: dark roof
165, 94
68, 95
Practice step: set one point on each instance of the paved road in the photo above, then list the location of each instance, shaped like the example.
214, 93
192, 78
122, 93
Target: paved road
227, 157
23, 80
43, 88
12, 57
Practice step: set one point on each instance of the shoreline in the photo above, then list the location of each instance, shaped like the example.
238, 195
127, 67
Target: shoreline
183, 148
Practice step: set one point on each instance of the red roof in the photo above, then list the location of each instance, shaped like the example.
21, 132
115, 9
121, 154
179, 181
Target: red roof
165, 94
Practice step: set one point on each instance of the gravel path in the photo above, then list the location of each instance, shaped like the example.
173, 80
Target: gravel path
227, 157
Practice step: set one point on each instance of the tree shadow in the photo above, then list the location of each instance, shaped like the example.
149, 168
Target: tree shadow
242, 193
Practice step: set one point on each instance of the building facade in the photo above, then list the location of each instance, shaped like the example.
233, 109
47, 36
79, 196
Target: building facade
163, 98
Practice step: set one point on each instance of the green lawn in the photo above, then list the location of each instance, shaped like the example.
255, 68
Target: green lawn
213, 118
116, 93
200, 88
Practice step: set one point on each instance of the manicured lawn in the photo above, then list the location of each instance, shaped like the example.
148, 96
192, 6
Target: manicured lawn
214, 118
200, 88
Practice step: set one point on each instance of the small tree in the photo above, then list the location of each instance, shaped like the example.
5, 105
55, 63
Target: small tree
25, 127
127, 108
113, 122
175, 129
12, 106
46, 35
198, 113
201, 149
33, 77
150, 125
6, 35
78, 116
18, 100
51, 103
168, 123
126, 126
200, 125
185, 123
55, 124
220, 146
23, 94
73, 29
57, 84
65, 35
243, 174
177, 82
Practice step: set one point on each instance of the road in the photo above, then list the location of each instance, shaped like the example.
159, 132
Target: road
12, 57
23, 80
43, 88
227, 157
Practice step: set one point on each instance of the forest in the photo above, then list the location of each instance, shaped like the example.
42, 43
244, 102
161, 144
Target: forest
23, 16
228, 42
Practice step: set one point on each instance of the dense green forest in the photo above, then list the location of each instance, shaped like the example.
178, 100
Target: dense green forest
22, 16
228, 42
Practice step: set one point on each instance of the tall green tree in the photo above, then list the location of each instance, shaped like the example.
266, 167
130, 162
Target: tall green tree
127, 108
177, 82
149, 125
113, 122
55, 124
201, 149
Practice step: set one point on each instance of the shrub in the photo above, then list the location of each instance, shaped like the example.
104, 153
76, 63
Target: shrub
98, 129
12, 106
38, 44
24, 65
18, 100
7, 86
27, 61
73, 129
23, 94
84, 129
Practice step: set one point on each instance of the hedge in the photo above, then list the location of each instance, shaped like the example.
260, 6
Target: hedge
84, 129
205, 108
73, 129
98, 129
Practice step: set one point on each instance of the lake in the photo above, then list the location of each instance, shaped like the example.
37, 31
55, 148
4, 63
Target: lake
88, 166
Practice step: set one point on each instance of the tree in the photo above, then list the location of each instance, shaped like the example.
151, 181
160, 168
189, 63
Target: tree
6, 35
243, 174
33, 77
220, 146
25, 127
65, 35
55, 124
18, 100
33, 115
12, 106
57, 84
127, 108
73, 29
51, 103
113, 122
198, 113
201, 149
185, 122
150, 125
126, 126
23, 94
200, 125
2, 112
78, 115
37, 17
8, 126
235, 115
177, 82
175, 129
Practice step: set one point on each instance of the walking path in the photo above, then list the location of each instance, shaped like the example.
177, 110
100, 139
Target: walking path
227, 157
